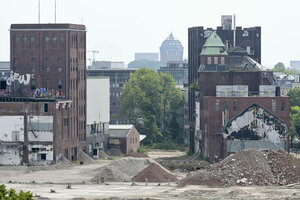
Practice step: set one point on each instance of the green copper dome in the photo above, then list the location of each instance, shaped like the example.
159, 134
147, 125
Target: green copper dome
213, 46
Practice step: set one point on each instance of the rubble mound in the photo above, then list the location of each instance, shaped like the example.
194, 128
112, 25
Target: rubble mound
284, 166
103, 155
62, 162
249, 167
114, 152
136, 155
83, 157
154, 173
122, 170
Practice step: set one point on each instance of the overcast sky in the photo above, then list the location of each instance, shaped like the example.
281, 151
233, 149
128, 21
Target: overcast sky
119, 28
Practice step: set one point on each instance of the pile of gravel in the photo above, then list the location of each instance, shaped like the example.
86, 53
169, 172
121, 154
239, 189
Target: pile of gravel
136, 155
249, 167
122, 170
154, 173
83, 157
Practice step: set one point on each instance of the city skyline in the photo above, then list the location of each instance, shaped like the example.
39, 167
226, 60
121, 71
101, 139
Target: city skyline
141, 26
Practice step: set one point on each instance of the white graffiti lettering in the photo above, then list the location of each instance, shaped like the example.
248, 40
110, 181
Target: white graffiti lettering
20, 78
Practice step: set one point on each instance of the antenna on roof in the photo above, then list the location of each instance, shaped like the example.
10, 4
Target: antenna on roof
55, 11
39, 11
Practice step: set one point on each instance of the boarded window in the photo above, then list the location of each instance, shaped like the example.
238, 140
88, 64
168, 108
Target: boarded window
226, 105
222, 61
282, 106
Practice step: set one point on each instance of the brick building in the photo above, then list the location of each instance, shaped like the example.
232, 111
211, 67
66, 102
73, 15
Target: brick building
238, 105
50, 61
247, 38
32, 130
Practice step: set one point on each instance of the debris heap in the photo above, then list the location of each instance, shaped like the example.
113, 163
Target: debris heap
249, 167
154, 173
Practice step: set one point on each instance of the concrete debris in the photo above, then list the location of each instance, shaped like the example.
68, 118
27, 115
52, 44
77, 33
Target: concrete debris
249, 167
83, 157
154, 173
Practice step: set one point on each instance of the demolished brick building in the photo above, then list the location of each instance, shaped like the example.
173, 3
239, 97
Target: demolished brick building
238, 105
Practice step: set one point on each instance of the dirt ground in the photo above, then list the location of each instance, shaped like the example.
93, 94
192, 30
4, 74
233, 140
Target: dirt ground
40, 180
157, 153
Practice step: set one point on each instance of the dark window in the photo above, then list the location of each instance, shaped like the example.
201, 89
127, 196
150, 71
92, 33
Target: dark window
59, 85
45, 107
47, 60
2, 85
43, 156
66, 153
226, 105
17, 39
282, 106
25, 38
235, 105
32, 38
66, 122
33, 84
59, 60
33, 69
62, 38
33, 60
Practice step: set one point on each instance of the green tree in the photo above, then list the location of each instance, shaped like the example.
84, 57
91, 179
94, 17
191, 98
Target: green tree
151, 102
295, 122
294, 95
13, 195
279, 67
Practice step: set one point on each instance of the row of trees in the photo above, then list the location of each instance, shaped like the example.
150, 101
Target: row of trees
153, 104
294, 95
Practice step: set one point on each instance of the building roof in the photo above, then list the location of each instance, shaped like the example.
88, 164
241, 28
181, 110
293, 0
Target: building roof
171, 43
41, 27
120, 131
213, 46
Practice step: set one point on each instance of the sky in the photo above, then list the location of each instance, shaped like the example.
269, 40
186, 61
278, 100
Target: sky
119, 28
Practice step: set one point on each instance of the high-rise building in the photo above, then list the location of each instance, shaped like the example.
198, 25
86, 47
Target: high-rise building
171, 49
54, 58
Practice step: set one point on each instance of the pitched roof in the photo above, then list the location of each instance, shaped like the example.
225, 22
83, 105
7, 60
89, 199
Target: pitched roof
213, 46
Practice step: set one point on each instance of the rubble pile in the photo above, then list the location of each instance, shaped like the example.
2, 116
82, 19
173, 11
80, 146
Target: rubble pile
284, 166
122, 170
154, 173
249, 167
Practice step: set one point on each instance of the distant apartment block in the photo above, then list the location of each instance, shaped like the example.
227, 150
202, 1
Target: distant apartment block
295, 64
106, 65
178, 69
146, 56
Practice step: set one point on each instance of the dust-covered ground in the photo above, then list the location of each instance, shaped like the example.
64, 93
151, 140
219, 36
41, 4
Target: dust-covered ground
42, 180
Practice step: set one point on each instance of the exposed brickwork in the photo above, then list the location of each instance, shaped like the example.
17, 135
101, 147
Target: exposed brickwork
56, 55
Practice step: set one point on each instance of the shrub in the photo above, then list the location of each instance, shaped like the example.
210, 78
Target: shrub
13, 195
142, 149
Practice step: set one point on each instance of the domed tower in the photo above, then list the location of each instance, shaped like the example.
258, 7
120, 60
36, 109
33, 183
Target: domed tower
213, 51
171, 49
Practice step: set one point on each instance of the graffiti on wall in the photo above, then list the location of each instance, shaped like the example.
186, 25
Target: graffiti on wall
22, 79
47, 93
6, 92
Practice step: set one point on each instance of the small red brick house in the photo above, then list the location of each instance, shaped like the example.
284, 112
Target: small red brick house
124, 137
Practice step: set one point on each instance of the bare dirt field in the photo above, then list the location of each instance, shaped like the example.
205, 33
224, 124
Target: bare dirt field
41, 180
